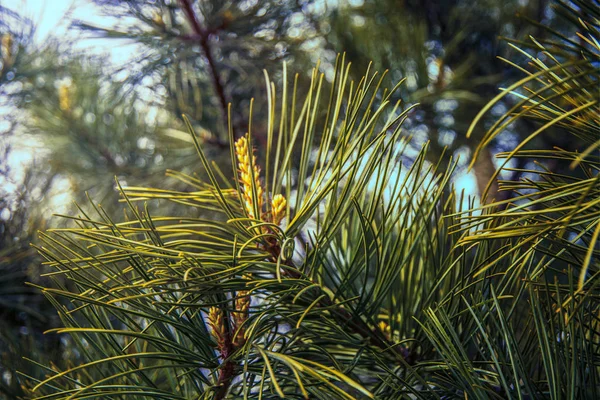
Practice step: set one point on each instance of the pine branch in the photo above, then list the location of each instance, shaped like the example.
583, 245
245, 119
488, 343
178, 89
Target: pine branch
343, 316
202, 36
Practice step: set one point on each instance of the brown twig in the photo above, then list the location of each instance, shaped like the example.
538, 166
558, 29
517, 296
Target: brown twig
226, 373
218, 320
202, 36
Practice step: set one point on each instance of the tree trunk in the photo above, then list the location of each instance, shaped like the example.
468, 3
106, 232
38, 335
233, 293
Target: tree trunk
484, 171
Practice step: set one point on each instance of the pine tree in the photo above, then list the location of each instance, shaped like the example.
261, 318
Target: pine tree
323, 259
205, 55
93, 123
340, 272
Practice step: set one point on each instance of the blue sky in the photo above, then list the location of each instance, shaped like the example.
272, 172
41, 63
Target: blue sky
49, 16
53, 17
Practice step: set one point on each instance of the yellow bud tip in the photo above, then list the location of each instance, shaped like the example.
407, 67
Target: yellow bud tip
278, 205
7, 42
64, 97
157, 19
215, 321
384, 326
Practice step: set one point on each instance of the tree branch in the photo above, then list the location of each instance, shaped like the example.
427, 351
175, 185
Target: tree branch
345, 317
202, 36
227, 370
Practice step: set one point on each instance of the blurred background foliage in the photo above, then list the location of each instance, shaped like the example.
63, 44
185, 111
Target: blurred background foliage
71, 120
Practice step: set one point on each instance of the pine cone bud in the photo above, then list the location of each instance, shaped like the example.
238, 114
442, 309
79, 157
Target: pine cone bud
158, 19
240, 315
216, 323
248, 171
64, 97
6, 45
278, 208
385, 329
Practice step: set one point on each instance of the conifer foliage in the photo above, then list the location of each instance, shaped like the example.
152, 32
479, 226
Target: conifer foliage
329, 267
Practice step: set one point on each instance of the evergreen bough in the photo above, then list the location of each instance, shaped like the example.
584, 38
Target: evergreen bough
338, 262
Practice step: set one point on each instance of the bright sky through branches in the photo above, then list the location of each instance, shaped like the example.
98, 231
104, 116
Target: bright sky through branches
52, 18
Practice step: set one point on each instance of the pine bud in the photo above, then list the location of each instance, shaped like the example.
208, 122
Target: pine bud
216, 323
6, 45
385, 329
227, 17
158, 19
64, 97
248, 171
278, 208
240, 315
